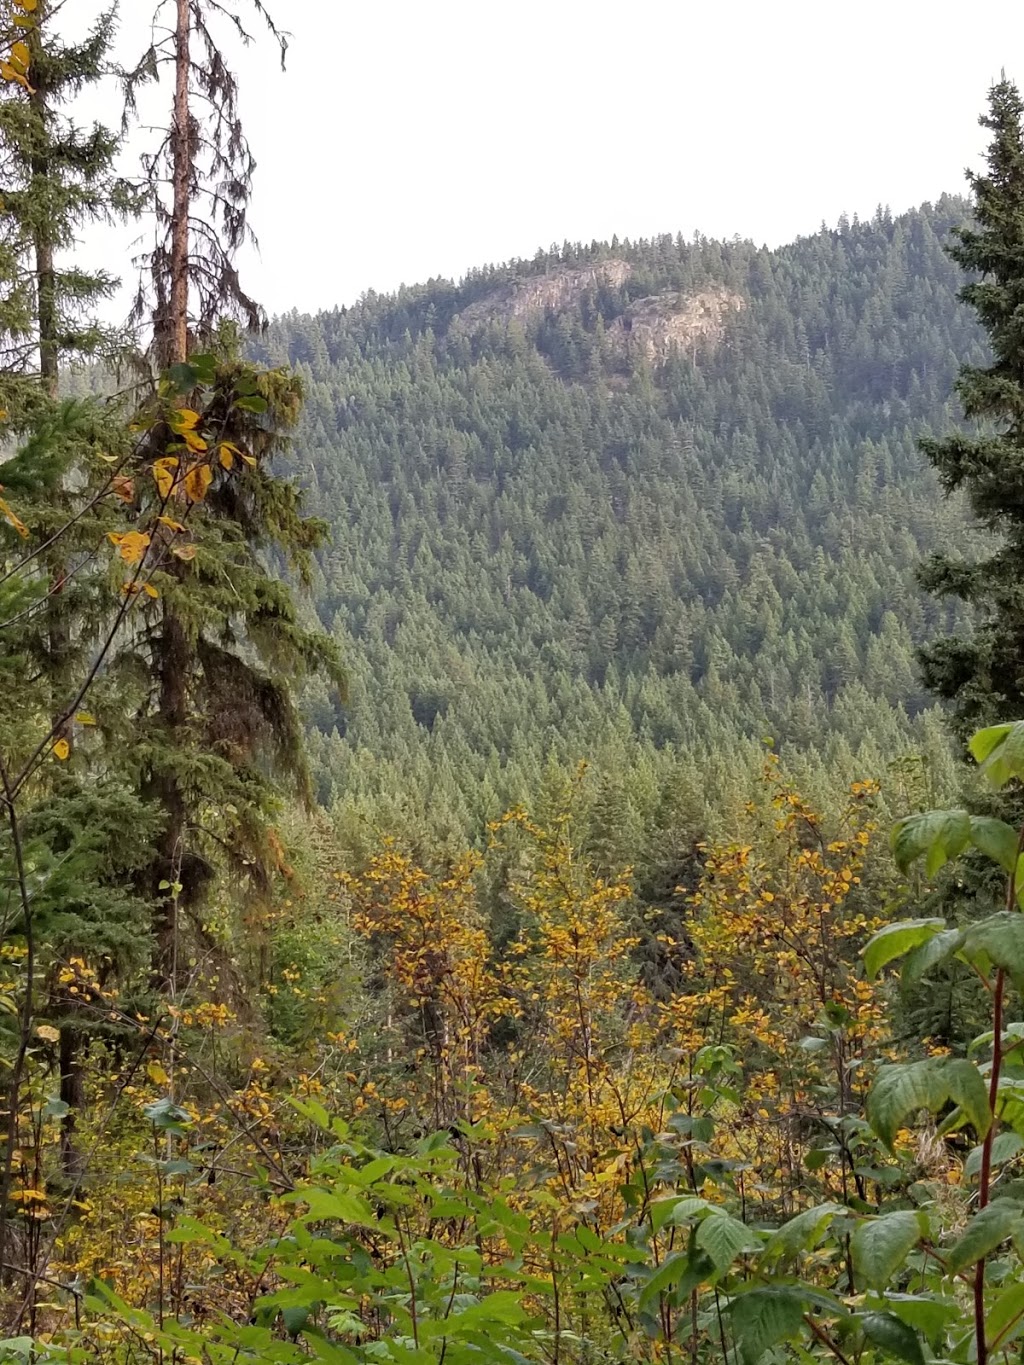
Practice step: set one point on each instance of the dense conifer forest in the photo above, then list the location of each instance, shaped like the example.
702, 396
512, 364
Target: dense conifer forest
557, 535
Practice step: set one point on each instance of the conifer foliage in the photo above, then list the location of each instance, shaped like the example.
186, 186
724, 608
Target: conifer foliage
147, 649
983, 674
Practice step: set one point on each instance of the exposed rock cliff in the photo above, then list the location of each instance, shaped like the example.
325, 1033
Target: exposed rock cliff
689, 322
530, 297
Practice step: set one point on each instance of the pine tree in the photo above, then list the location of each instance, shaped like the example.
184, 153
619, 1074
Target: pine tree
222, 645
56, 178
198, 181
983, 675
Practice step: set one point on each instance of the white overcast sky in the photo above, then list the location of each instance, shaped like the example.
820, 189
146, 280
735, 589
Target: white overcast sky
408, 139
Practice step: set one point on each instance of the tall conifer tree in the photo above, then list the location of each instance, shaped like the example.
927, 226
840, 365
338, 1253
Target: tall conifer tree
983, 675
223, 643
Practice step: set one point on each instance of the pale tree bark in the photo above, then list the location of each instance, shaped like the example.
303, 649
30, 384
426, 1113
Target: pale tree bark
181, 181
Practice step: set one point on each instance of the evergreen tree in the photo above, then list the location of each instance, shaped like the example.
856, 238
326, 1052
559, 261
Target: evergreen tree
56, 178
983, 674
222, 643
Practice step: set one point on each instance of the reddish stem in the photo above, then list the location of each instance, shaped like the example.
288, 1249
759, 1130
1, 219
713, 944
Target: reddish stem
986, 1161
985, 1180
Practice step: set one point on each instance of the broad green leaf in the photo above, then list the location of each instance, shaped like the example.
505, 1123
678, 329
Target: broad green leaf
1004, 1147
676, 1210
167, 1116
503, 1305
764, 1317
1000, 752
724, 1238
802, 1233
923, 1312
22, 1347
1000, 940
900, 1091
812, 1043
1013, 1038
892, 1335
295, 1319
699, 1127
346, 1208
896, 939
679, 1273
183, 377
938, 834
1010, 1103
985, 1231
996, 839
179, 1166
880, 1245
205, 367
311, 1110
919, 961
1005, 1320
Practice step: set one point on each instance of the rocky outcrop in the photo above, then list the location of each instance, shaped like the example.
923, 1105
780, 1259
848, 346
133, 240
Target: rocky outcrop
533, 296
662, 323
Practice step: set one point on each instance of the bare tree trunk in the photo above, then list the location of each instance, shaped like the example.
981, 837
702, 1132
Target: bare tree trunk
172, 645
167, 893
59, 637
46, 284
182, 175
72, 1092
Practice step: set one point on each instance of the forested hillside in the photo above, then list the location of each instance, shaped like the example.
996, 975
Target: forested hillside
639, 503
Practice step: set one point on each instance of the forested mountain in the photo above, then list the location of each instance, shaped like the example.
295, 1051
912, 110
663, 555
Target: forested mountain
641, 503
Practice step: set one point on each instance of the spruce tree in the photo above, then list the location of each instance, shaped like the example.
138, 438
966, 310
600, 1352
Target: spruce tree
222, 643
56, 177
983, 675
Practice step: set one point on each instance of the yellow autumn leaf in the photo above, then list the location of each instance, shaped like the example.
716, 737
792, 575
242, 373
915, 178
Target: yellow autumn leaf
157, 1074
184, 419
62, 749
185, 552
10, 516
20, 56
164, 472
194, 442
123, 487
85, 718
248, 459
197, 481
150, 591
133, 546
48, 1034
227, 458
29, 6
170, 523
